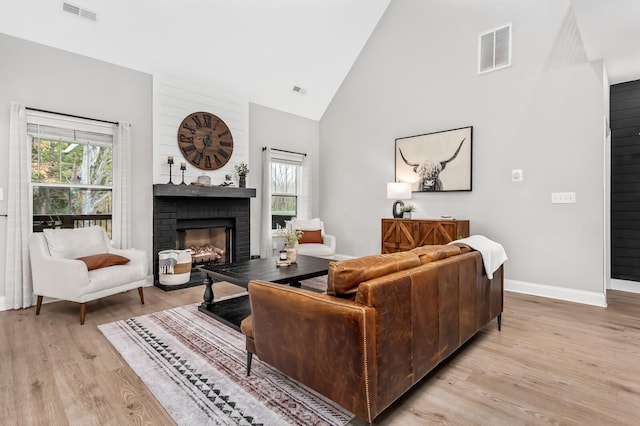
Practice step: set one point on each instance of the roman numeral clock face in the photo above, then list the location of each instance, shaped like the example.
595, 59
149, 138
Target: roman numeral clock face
205, 140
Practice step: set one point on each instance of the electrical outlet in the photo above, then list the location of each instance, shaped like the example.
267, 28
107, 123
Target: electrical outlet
516, 175
563, 197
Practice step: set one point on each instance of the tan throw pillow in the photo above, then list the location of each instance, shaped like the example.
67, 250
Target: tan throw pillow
311, 237
103, 260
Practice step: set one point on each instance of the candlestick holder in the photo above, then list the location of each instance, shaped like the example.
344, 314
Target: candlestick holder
170, 163
183, 167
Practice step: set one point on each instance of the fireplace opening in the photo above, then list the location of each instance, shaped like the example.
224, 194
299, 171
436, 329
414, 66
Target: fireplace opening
207, 242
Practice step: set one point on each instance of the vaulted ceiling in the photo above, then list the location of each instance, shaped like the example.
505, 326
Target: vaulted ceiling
610, 31
261, 49
254, 48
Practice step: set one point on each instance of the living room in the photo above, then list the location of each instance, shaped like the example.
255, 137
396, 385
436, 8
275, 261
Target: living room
544, 115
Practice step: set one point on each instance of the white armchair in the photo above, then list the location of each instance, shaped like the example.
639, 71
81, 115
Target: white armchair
59, 272
323, 245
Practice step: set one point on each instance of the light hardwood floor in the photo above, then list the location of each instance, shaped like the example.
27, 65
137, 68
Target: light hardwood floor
553, 363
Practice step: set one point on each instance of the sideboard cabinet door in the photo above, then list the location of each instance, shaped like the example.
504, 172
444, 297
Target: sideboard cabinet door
406, 234
398, 235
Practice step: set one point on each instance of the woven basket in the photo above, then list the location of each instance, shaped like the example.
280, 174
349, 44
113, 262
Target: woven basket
180, 273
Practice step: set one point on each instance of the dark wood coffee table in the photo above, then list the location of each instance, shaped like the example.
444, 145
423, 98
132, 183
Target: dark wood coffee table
232, 311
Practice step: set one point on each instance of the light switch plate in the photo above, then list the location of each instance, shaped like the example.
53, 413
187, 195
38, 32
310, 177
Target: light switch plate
516, 175
1, 194
563, 197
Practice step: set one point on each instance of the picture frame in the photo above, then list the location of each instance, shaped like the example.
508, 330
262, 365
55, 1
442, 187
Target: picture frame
436, 162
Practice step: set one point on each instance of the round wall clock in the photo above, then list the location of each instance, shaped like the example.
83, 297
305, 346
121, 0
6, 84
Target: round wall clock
205, 140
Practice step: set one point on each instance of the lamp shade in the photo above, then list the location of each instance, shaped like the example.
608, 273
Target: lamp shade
399, 190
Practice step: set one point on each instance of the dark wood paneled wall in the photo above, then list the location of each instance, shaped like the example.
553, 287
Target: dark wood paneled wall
625, 181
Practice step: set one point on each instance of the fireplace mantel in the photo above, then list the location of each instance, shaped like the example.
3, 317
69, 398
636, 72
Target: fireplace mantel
170, 190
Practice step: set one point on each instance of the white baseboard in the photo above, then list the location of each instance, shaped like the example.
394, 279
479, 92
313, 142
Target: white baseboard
340, 257
561, 293
624, 285
578, 296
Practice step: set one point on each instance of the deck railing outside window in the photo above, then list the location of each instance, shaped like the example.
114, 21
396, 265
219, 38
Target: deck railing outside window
41, 222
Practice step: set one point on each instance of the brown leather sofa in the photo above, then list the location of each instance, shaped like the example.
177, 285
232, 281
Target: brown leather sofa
385, 322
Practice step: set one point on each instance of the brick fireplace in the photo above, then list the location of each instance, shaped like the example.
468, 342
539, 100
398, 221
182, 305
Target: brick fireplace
182, 209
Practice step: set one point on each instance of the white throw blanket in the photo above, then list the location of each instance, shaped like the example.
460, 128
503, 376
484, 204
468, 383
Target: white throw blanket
493, 254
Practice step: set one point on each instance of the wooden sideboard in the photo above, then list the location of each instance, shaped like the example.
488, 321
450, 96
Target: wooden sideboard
406, 234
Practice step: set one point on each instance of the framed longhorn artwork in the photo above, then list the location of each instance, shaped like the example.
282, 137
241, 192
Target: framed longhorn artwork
435, 162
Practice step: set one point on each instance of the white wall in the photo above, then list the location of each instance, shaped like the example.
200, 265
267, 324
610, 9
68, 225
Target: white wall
277, 129
416, 75
253, 126
42, 77
173, 100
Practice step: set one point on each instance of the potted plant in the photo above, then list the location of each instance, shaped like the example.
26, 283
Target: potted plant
290, 239
242, 170
406, 211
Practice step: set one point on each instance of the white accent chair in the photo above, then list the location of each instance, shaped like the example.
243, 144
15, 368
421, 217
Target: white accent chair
328, 246
58, 273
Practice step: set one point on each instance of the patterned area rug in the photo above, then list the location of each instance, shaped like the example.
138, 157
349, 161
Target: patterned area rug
196, 368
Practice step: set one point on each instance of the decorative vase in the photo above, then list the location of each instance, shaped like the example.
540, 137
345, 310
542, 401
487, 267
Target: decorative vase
406, 215
292, 254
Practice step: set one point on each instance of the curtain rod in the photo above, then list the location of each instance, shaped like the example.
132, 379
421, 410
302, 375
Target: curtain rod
284, 150
71, 115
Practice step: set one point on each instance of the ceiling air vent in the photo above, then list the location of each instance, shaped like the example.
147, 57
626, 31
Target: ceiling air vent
494, 49
299, 90
78, 11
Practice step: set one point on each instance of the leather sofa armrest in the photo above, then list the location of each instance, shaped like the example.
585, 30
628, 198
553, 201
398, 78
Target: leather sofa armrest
325, 342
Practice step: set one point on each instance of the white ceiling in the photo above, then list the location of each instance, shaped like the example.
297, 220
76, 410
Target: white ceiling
610, 31
261, 49
253, 48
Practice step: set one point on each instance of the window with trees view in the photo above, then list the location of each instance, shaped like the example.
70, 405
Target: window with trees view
285, 189
71, 174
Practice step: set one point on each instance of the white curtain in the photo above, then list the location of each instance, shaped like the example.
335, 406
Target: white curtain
304, 200
121, 215
18, 286
266, 243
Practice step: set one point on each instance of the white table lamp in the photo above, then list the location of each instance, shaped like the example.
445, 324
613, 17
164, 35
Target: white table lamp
400, 191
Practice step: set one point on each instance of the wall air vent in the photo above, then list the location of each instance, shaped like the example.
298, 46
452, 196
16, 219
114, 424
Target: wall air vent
494, 49
78, 11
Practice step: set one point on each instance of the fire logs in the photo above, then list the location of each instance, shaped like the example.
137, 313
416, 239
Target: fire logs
205, 253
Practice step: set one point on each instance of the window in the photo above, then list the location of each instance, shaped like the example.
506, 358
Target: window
286, 187
71, 171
